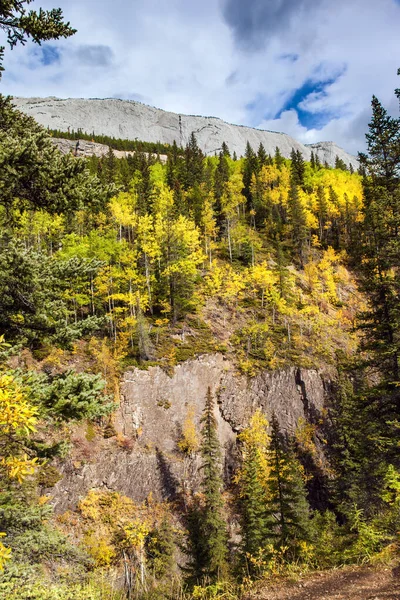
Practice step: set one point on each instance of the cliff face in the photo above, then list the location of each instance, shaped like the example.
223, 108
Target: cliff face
84, 149
133, 120
145, 459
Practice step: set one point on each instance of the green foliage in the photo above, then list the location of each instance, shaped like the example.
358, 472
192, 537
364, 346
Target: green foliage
20, 25
76, 396
161, 549
67, 396
207, 527
287, 497
35, 175
35, 542
252, 478
35, 299
117, 143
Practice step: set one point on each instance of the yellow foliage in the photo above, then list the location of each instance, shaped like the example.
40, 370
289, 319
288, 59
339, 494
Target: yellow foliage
19, 467
5, 553
255, 438
223, 281
305, 436
17, 420
17, 416
189, 442
100, 549
263, 280
135, 534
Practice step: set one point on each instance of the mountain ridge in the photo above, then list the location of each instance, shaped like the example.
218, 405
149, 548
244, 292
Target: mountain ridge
130, 119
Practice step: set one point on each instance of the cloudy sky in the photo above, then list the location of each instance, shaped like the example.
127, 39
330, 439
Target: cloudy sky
304, 67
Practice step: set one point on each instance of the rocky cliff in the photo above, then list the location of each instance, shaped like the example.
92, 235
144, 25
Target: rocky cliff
84, 149
132, 120
144, 457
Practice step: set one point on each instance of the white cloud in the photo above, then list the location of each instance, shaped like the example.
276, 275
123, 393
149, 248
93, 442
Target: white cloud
185, 57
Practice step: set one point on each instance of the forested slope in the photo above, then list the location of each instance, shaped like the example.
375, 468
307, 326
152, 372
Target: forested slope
112, 263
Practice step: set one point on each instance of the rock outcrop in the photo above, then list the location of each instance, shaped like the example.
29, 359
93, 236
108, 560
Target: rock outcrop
132, 120
84, 149
144, 456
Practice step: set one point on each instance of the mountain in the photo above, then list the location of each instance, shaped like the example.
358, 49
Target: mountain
132, 120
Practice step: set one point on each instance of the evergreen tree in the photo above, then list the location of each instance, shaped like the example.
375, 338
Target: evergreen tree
160, 549
335, 229
381, 241
111, 165
256, 522
322, 212
35, 175
297, 219
194, 163
288, 503
297, 168
340, 164
220, 178
225, 150
213, 537
379, 264
249, 168
279, 160
261, 156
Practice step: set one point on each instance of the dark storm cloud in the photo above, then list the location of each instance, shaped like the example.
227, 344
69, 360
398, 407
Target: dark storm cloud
254, 21
95, 56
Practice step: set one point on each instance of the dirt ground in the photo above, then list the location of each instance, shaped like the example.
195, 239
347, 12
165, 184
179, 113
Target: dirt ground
343, 584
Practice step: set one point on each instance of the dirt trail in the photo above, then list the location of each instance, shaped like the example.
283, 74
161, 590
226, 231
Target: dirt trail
345, 584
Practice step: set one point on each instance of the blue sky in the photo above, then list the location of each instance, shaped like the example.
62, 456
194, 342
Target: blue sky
305, 67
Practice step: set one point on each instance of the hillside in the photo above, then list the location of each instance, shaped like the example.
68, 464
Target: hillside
198, 368
133, 120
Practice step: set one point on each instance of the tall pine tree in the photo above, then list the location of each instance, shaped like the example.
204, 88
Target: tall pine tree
207, 527
252, 477
287, 502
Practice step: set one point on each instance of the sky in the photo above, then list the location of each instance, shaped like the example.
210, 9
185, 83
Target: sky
307, 68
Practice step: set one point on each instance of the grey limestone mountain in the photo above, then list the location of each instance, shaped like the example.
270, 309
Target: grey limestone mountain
132, 120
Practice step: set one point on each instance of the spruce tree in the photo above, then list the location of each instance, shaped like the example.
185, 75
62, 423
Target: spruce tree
297, 168
340, 164
322, 212
225, 150
381, 241
279, 160
207, 526
35, 175
379, 260
251, 478
288, 504
249, 168
298, 222
262, 158
220, 178
194, 163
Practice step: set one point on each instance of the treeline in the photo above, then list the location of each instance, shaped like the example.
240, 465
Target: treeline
115, 143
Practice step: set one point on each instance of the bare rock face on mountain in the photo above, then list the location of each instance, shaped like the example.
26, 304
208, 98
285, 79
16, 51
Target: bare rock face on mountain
144, 457
132, 120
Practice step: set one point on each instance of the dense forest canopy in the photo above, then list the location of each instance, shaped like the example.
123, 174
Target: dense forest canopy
108, 263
